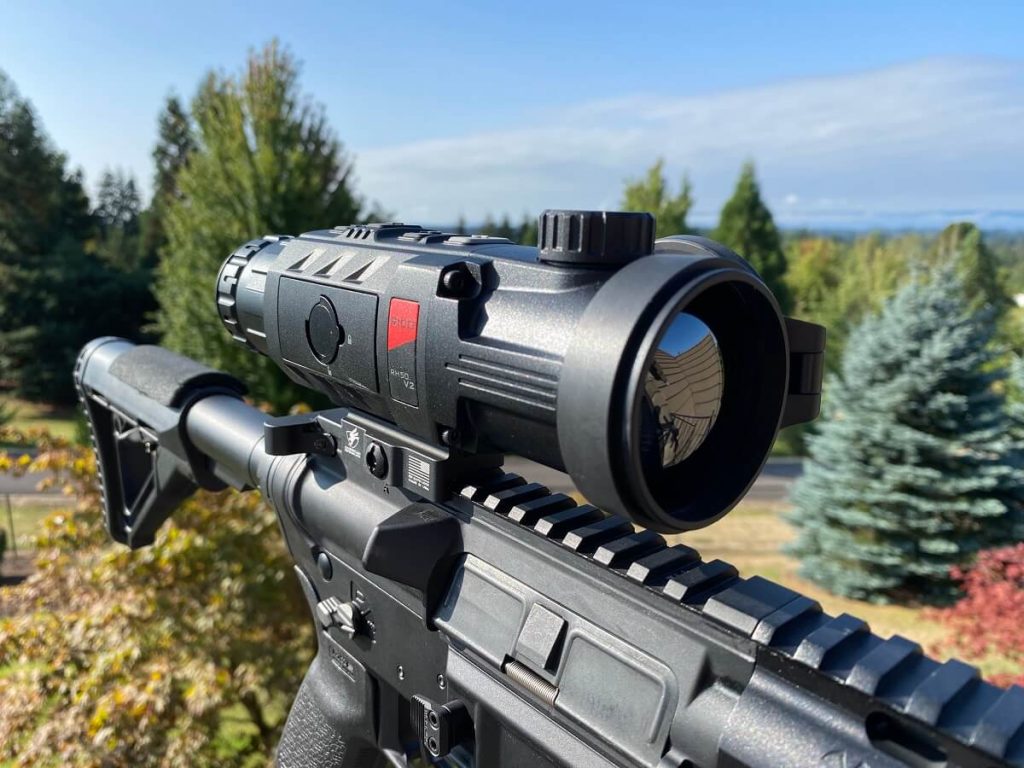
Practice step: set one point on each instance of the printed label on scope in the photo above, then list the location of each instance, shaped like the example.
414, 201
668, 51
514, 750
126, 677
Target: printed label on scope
353, 442
403, 327
417, 473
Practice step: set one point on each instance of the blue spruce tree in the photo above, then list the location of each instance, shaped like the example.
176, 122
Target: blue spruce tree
915, 466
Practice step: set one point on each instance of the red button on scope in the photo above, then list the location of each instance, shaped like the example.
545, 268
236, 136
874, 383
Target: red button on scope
403, 322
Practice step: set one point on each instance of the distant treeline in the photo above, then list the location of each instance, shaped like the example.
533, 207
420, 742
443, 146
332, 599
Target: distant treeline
251, 154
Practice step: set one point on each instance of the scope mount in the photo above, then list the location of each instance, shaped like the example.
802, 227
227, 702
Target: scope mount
378, 449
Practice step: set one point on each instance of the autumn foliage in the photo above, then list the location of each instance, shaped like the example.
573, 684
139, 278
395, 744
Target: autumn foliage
989, 620
183, 653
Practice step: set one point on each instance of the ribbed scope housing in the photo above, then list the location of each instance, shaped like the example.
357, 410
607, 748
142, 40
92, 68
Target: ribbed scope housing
570, 354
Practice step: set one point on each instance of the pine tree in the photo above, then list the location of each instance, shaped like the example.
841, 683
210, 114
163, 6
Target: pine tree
913, 470
1014, 392
746, 226
175, 143
117, 213
41, 201
489, 227
962, 246
55, 294
174, 146
505, 229
651, 194
265, 161
527, 234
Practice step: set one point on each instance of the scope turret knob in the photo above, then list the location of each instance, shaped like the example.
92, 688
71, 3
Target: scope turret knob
595, 238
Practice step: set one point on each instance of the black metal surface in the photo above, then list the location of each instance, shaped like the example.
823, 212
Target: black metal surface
472, 342
475, 614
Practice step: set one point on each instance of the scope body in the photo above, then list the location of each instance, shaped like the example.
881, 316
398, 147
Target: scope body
483, 361
486, 346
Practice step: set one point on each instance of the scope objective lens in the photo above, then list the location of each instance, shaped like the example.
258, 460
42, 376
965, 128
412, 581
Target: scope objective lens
682, 391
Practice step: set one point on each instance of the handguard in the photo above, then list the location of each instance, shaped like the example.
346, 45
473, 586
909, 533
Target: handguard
145, 462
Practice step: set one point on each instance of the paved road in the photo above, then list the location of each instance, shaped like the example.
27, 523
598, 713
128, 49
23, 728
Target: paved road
23, 485
774, 484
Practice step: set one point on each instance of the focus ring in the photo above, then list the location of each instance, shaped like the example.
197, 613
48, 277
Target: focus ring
227, 285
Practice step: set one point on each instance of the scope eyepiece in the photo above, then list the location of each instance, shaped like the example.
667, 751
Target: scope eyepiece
657, 374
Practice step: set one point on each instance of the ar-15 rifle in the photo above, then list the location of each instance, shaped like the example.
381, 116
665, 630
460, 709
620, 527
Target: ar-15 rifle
472, 617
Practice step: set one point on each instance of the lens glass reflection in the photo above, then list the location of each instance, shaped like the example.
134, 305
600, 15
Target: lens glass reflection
683, 387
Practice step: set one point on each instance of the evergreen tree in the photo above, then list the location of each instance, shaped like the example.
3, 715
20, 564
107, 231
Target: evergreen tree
746, 226
489, 227
505, 229
651, 194
53, 309
913, 470
265, 161
962, 245
813, 276
838, 284
117, 200
525, 233
117, 214
41, 202
1014, 393
175, 143
55, 294
528, 234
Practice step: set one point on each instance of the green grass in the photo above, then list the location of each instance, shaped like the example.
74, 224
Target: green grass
58, 420
28, 518
237, 733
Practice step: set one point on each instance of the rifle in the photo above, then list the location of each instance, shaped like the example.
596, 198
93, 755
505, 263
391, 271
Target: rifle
468, 617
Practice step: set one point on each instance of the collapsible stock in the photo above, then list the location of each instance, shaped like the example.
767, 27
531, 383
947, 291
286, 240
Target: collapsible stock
136, 399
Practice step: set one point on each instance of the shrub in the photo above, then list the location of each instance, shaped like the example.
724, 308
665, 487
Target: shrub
116, 658
987, 621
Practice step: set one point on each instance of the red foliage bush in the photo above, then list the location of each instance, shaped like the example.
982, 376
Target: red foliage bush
989, 620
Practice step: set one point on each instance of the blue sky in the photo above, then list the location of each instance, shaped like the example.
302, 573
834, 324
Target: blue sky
856, 113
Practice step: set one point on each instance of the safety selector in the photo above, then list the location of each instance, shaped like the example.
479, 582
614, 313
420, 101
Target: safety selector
344, 616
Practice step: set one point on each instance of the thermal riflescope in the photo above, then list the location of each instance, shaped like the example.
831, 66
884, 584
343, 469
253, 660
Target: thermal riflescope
656, 373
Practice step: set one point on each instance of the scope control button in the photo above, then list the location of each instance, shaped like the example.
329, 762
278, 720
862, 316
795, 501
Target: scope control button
323, 331
403, 330
595, 238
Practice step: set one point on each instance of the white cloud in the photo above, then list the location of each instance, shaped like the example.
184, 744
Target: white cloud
936, 134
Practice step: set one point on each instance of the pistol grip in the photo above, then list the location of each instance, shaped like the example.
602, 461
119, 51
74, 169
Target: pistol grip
330, 724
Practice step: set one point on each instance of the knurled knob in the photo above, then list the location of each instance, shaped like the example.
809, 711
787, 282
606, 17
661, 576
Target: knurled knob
595, 238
